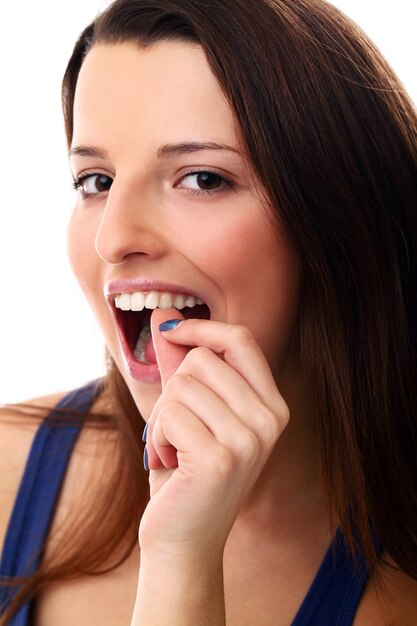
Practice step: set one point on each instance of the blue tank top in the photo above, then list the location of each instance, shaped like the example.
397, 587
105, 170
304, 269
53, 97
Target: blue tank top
332, 599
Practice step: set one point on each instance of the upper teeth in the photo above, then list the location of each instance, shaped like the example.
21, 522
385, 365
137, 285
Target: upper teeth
137, 301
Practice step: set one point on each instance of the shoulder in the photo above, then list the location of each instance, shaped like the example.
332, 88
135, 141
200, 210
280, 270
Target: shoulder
390, 601
18, 426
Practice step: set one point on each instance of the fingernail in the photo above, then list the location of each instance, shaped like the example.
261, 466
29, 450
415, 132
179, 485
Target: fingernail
169, 325
145, 432
145, 459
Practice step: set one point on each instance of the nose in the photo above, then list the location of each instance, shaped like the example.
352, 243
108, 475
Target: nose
130, 225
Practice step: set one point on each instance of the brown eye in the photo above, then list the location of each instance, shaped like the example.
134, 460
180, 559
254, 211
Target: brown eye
96, 183
204, 181
208, 180
103, 183
92, 184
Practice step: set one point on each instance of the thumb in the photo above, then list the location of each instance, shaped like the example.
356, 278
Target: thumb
169, 356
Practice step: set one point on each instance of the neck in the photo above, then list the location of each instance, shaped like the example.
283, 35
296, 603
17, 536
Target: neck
288, 494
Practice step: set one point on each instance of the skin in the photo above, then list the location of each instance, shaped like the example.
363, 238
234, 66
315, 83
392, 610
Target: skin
229, 420
222, 408
137, 231
141, 233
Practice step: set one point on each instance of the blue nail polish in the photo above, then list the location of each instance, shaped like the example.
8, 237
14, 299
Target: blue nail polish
169, 325
145, 459
145, 432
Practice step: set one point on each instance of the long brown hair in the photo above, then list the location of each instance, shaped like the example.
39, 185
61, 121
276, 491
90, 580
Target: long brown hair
332, 137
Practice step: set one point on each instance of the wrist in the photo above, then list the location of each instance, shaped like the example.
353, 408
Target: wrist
179, 592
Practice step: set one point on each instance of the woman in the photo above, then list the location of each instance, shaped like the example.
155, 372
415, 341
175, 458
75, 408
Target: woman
245, 233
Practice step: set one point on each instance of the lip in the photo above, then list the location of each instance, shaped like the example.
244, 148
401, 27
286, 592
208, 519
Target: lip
139, 371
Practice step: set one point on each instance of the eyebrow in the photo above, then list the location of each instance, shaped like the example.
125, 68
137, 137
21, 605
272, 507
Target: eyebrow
177, 149
88, 151
166, 151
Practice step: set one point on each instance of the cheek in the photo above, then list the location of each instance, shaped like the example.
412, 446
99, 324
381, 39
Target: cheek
259, 276
73, 245
81, 252
85, 263
221, 243
241, 251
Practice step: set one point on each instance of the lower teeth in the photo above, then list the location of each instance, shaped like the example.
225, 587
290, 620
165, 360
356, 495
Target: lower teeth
139, 351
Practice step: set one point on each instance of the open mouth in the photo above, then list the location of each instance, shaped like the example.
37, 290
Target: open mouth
133, 315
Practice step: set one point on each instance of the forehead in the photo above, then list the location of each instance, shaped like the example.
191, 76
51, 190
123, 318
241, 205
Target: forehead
164, 89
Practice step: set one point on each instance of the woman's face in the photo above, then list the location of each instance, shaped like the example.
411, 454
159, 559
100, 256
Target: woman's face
168, 202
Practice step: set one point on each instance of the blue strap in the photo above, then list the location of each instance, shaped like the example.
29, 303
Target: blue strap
332, 599
334, 596
38, 492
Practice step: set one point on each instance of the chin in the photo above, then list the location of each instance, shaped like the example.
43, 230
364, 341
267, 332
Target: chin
145, 395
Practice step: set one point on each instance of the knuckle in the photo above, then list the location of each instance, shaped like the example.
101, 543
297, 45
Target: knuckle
271, 426
241, 335
277, 414
197, 354
181, 382
283, 413
167, 412
222, 464
249, 447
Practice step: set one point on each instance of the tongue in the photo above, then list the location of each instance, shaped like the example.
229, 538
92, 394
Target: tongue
150, 353
169, 356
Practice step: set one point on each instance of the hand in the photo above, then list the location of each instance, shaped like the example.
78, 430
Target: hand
209, 436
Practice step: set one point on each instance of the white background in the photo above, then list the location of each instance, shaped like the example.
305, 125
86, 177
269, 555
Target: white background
48, 338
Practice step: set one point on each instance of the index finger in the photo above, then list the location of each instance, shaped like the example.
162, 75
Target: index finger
235, 344
169, 356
